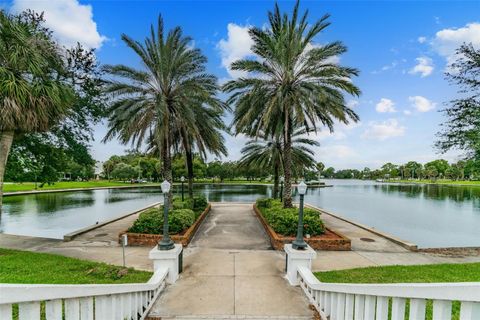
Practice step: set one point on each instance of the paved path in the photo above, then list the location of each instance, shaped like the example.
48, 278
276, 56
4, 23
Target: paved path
98, 245
230, 272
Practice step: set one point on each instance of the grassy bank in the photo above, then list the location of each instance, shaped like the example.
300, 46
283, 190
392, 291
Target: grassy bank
36, 268
30, 186
469, 272
440, 182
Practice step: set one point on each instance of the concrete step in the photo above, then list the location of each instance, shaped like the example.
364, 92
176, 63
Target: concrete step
228, 317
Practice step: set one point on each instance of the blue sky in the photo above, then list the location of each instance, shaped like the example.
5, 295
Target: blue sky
402, 49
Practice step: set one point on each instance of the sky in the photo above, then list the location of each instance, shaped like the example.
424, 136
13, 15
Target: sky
402, 49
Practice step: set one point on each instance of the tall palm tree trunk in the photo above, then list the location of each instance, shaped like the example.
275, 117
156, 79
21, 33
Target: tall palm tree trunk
189, 162
6, 139
189, 159
167, 167
276, 173
287, 162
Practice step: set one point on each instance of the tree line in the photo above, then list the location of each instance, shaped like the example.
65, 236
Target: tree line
436, 169
170, 109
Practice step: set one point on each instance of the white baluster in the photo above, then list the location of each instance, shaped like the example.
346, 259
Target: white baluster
72, 309
53, 310
349, 305
359, 307
101, 307
369, 308
29, 311
382, 308
333, 306
321, 300
86, 308
340, 306
328, 297
6, 311
442, 310
470, 311
119, 307
417, 309
398, 309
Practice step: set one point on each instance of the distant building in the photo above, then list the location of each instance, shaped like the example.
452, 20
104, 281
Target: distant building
98, 169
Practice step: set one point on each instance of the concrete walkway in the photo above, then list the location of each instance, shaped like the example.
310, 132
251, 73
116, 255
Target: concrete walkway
230, 272
100, 245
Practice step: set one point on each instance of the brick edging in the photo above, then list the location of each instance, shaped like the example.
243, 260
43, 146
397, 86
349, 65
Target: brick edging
342, 243
145, 239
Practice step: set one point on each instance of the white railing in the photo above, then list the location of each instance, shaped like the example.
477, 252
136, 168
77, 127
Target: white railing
390, 301
81, 302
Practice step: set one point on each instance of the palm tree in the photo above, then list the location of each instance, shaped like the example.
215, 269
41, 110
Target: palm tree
266, 152
151, 102
292, 83
32, 92
204, 136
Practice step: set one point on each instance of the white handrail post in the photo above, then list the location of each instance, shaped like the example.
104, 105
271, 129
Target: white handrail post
295, 259
168, 259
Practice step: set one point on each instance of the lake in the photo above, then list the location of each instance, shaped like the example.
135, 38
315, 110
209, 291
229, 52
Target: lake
430, 216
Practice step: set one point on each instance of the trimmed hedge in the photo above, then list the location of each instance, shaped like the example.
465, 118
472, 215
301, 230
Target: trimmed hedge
180, 218
285, 221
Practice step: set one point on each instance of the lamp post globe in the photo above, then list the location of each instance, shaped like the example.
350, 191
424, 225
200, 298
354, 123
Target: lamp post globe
166, 243
299, 243
282, 179
183, 180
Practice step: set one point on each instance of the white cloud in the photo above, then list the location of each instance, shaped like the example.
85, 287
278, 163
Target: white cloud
70, 21
385, 105
446, 41
352, 103
407, 112
237, 46
422, 39
421, 104
340, 132
338, 151
383, 130
424, 67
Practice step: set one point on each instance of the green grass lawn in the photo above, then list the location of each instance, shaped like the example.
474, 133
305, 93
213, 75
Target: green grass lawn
469, 272
37, 268
442, 181
29, 186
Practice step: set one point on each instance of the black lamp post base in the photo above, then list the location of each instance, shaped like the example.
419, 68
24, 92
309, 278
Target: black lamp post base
166, 245
299, 245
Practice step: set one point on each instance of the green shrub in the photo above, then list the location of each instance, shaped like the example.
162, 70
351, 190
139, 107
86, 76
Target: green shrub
199, 203
285, 221
264, 202
179, 204
180, 219
151, 221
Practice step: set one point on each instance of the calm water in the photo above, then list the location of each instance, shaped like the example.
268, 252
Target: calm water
431, 216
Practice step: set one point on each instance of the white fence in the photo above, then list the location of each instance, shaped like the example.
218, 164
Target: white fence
390, 301
81, 302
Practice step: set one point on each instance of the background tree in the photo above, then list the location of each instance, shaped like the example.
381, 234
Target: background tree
33, 87
292, 84
461, 130
266, 153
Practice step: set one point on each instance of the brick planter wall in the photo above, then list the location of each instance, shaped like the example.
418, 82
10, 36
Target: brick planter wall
150, 240
330, 240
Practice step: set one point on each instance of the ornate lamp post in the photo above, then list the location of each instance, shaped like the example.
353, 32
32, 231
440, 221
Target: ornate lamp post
299, 243
183, 180
166, 243
282, 179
